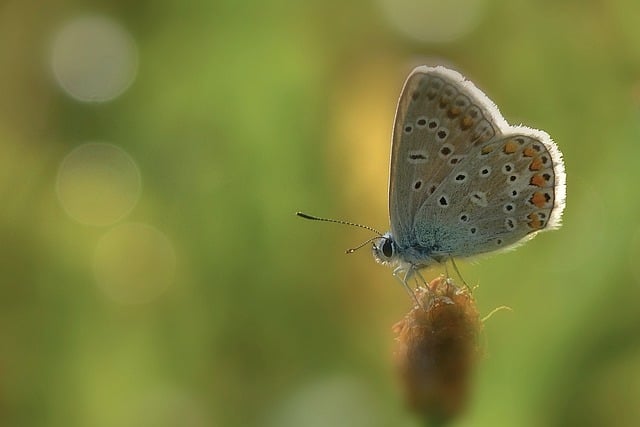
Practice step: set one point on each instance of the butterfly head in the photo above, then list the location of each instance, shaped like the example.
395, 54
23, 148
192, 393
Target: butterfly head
385, 250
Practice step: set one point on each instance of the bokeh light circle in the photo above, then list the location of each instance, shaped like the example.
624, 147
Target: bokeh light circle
433, 21
94, 59
98, 183
134, 263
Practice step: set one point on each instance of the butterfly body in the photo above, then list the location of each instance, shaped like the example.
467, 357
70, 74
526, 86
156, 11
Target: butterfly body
463, 182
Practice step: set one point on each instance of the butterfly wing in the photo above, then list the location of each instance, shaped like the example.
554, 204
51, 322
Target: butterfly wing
439, 119
505, 191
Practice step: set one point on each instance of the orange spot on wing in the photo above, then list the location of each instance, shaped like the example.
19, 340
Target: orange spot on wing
487, 149
528, 152
453, 112
536, 164
510, 147
534, 221
466, 122
538, 199
537, 180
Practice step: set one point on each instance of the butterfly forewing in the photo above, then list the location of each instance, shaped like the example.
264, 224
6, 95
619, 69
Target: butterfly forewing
440, 119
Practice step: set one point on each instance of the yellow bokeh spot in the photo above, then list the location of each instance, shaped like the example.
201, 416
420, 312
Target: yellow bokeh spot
98, 184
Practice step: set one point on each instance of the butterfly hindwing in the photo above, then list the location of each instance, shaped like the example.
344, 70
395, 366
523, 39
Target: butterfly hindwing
505, 190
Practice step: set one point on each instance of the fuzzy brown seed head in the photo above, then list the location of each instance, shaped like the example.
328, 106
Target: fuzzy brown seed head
437, 349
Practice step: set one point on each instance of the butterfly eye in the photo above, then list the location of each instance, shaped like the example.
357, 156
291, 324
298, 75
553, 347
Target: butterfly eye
387, 248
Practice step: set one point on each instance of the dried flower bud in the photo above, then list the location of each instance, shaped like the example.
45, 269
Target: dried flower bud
437, 349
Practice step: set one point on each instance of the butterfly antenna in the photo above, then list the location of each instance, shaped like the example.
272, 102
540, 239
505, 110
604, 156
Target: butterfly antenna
352, 250
338, 221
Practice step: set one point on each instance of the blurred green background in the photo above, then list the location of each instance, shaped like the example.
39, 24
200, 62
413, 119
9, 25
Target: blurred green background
152, 156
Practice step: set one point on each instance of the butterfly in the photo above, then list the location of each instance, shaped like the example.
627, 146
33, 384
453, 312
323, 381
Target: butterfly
463, 182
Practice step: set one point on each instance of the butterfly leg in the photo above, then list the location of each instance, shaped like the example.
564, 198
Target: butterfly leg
455, 267
425, 285
421, 277
443, 259
408, 272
